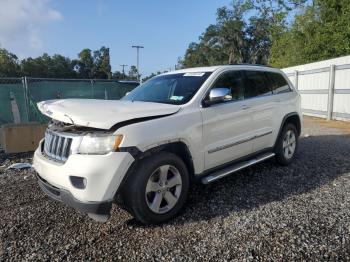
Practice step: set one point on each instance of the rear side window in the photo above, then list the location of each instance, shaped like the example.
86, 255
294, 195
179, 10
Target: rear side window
256, 83
232, 80
278, 83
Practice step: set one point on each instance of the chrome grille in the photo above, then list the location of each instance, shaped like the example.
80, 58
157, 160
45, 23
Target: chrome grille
57, 146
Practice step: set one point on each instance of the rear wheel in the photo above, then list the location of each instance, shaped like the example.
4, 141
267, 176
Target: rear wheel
287, 145
157, 190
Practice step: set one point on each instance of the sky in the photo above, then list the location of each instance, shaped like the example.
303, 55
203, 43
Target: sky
164, 28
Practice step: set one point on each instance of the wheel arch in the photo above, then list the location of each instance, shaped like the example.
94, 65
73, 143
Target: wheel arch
181, 150
178, 148
292, 118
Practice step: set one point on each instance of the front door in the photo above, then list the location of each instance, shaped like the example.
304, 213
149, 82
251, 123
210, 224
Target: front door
227, 126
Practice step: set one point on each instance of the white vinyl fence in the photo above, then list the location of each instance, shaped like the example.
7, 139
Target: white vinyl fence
324, 87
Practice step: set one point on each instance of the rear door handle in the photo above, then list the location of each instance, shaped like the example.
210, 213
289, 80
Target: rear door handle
245, 107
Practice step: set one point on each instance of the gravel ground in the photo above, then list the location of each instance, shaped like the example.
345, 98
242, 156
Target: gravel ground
266, 212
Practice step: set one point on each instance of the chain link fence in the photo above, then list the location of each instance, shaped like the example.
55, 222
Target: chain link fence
12, 101
19, 96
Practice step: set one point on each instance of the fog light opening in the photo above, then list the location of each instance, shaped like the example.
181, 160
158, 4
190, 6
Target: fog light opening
78, 182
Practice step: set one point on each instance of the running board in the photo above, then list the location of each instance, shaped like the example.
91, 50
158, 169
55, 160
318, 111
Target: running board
231, 169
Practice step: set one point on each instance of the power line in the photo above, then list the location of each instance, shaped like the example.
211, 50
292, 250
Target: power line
123, 66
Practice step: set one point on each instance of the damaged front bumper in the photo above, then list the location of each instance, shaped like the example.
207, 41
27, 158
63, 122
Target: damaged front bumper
88, 183
99, 211
62, 195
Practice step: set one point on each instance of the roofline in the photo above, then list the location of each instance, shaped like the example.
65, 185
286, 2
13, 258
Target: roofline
247, 64
215, 68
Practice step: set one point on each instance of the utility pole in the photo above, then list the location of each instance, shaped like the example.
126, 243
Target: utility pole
123, 66
137, 60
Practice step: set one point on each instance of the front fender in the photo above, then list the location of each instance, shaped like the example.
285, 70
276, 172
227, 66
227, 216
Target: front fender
185, 127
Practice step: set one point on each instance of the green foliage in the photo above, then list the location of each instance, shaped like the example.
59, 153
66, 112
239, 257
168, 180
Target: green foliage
278, 32
96, 65
88, 65
152, 75
243, 33
132, 73
102, 67
321, 31
9, 64
117, 75
56, 66
85, 64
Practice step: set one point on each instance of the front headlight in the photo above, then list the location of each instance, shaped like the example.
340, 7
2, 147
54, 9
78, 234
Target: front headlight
99, 144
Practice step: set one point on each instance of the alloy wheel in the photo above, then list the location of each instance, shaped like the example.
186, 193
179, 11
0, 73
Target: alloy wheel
289, 144
163, 189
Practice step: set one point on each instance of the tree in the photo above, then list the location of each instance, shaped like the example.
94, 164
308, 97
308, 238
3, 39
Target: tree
132, 73
231, 34
105, 62
88, 65
9, 64
117, 75
56, 66
149, 77
94, 64
62, 67
227, 41
320, 32
152, 75
243, 33
102, 67
85, 64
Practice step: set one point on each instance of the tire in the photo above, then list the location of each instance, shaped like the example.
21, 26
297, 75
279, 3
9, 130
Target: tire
286, 148
157, 189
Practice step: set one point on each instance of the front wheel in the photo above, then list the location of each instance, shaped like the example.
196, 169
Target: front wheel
157, 190
287, 145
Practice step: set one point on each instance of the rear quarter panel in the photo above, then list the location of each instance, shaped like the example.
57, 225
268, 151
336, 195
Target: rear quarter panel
290, 103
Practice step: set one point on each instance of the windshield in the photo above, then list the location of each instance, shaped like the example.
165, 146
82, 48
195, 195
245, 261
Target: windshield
169, 89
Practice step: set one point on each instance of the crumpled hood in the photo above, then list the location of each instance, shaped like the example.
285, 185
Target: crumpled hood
102, 114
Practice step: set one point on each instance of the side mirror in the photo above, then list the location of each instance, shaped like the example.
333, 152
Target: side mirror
218, 95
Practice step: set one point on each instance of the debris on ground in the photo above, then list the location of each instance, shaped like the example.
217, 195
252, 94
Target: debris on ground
20, 166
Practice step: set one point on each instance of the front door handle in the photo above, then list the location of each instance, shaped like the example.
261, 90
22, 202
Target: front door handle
245, 107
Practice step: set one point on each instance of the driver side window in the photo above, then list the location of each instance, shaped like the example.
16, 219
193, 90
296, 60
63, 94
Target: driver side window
232, 80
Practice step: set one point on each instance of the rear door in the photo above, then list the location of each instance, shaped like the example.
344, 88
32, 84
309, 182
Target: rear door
258, 90
227, 126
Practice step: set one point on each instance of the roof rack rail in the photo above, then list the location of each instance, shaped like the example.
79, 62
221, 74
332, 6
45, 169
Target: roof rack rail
247, 64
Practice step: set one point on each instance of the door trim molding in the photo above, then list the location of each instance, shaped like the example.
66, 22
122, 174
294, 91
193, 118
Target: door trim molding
219, 148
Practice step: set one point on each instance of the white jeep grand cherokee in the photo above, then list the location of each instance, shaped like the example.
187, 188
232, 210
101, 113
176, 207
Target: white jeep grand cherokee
197, 124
